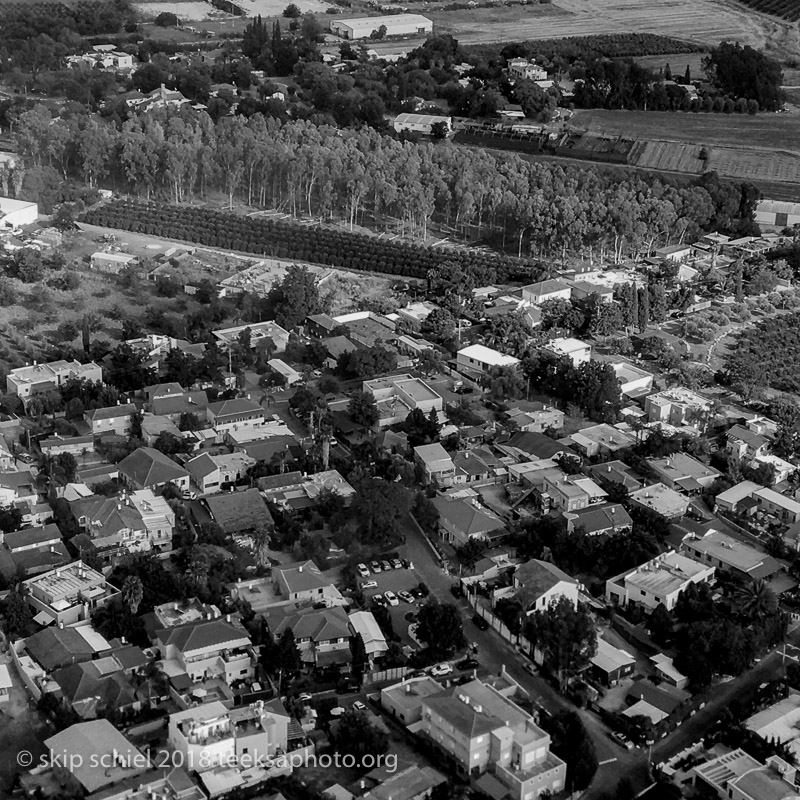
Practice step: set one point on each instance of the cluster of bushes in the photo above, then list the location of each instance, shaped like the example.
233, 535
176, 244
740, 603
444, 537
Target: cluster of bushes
574, 48
282, 239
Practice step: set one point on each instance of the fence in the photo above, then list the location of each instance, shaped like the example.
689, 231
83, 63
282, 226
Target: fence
497, 625
379, 676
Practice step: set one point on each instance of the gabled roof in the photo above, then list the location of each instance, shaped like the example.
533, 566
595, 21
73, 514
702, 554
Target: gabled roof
28, 537
58, 647
538, 577
202, 635
236, 512
111, 412
467, 518
146, 466
234, 407
599, 518
318, 625
301, 576
537, 444
548, 286
747, 436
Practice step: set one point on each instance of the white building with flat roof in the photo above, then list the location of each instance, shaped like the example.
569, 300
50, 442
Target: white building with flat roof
676, 406
484, 359
575, 350
397, 395
421, 123
395, 25
25, 381
16, 213
67, 594
659, 581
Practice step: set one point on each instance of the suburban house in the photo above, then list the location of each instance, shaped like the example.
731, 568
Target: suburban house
303, 582
616, 474
171, 400
730, 555
114, 419
683, 472
633, 381
92, 686
599, 520
239, 513
74, 445
37, 378
778, 505
67, 594
461, 520
739, 499
661, 500
148, 468
31, 551
535, 416
658, 581
538, 293
209, 648
611, 664
601, 439
131, 523
364, 624
538, 584
322, 635
76, 751
575, 350
436, 463
257, 332
522, 69
486, 732
212, 735
397, 395
234, 414
570, 493
210, 472
482, 359
677, 406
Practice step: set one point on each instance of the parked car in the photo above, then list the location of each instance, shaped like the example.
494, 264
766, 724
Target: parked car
385, 566
374, 566
369, 585
379, 600
397, 563
530, 668
440, 670
406, 597
621, 740
468, 663
391, 599
480, 623
359, 706
337, 712
362, 570
456, 590
348, 687
305, 697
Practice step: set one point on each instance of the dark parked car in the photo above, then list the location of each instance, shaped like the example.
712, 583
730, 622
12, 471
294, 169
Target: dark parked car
480, 623
468, 663
456, 590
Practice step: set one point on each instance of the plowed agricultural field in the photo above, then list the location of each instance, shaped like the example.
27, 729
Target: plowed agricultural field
704, 21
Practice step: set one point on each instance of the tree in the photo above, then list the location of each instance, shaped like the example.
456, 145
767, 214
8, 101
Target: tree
357, 736
292, 12
755, 600
16, 613
439, 625
566, 636
660, 624
363, 410
189, 421
505, 383
295, 297
288, 653
379, 506
132, 592
571, 742
166, 19
440, 324
429, 362
358, 652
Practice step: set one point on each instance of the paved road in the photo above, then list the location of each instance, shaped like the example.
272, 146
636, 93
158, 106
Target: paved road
495, 654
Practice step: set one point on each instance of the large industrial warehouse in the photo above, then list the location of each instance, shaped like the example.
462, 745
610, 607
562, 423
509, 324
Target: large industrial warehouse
395, 24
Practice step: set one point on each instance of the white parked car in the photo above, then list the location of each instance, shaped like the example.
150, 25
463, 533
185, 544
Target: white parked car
359, 706
440, 670
406, 597
369, 585
391, 599
362, 570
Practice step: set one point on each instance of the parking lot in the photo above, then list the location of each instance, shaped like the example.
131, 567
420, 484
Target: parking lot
396, 580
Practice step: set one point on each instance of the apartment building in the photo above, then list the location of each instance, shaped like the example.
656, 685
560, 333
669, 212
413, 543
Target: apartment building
486, 732
658, 581
436, 464
37, 378
67, 594
677, 406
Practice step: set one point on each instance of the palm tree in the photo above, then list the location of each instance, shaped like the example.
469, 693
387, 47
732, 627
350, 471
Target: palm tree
153, 677
756, 600
132, 592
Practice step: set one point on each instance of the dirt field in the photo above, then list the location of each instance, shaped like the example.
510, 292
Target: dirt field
735, 130
703, 21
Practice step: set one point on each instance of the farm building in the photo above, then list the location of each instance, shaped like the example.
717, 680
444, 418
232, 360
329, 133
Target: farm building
777, 213
396, 25
420, 123
112, 263
15, 213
